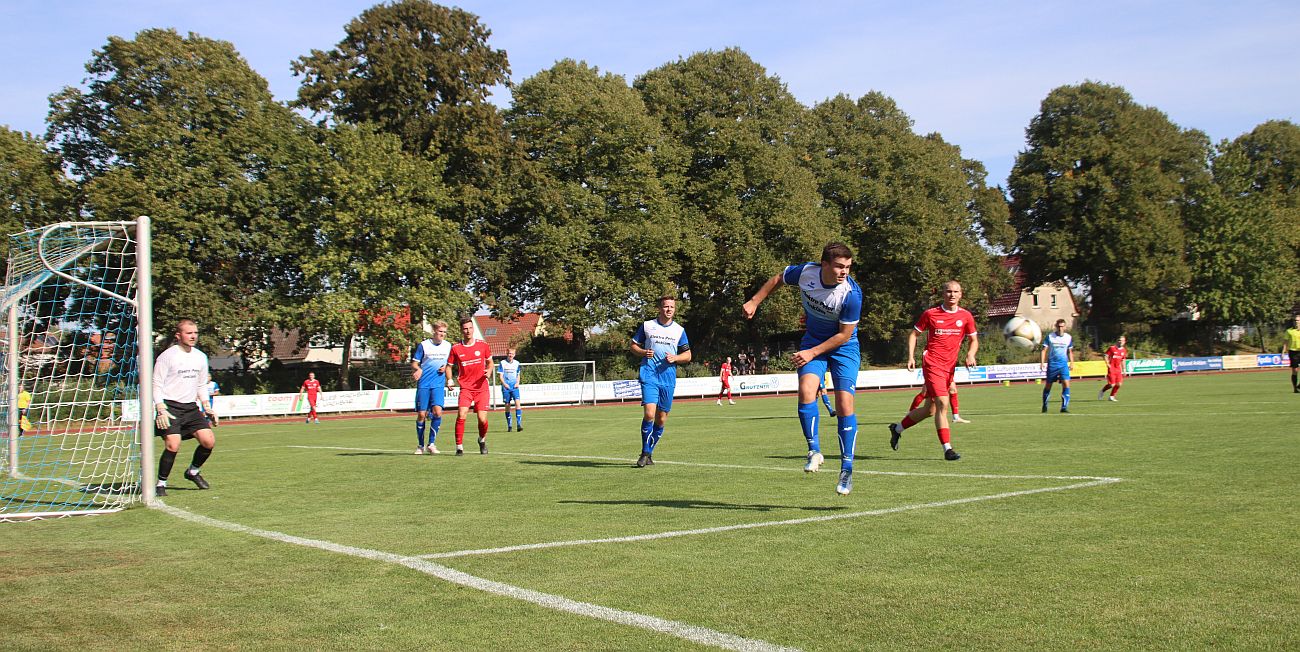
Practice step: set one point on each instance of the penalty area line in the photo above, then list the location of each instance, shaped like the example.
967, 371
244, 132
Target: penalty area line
750, 526
692, 633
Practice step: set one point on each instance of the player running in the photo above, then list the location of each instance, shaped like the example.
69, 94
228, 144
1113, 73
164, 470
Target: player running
661, 344
508, 376
1058, 359
832, 303
945, 326
472, 359
311, 387
1115, 356
724, 375
431, 372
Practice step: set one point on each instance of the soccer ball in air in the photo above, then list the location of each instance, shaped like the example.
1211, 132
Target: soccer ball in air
1023, 333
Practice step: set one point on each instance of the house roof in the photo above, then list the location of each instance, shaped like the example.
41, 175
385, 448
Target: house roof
501, 334
284, 346
1005, 304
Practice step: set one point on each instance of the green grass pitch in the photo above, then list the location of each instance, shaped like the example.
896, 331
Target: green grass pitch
335, 536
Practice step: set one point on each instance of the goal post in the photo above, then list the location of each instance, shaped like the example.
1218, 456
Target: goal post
78, 349
558, 383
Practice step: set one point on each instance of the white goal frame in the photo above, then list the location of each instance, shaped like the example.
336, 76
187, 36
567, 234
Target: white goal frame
532, 390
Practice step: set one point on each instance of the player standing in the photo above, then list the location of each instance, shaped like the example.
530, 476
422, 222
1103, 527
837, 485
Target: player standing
724, 374
213, 390
311, 387
1058, 359
832, 303
24, 404
825, 398
661, 344
1292, 347
945, 326
1115, 356
180, 388
472, 359
508, 373
430, 371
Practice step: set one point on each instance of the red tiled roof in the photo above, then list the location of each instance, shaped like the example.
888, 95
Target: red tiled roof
284, 346
500, 334
1005, 304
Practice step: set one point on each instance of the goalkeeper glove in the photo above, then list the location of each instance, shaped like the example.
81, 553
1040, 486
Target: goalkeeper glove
164, 419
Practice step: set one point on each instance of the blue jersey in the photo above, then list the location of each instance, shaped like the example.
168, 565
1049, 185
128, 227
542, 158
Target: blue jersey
825, 307
1058, 347
662, 339
432, 358
509, 372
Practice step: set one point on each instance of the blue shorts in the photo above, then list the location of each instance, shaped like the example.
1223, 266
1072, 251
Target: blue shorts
427, 398
660, 395
843, 363
509, 394
1057, 374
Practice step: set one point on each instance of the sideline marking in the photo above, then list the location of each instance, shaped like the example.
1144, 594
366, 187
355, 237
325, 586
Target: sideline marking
681, 630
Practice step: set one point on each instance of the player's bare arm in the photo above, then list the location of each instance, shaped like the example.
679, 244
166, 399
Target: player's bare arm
845, 333
971, 350
642, 352
911, 349
751, 306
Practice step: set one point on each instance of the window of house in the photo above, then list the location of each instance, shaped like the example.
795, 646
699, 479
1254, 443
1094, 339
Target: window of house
1053, 300
1035, 296
489, 332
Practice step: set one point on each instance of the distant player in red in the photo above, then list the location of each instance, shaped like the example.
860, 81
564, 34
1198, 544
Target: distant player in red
1115, 356
945, 326
472, 359
725, 377
311, 387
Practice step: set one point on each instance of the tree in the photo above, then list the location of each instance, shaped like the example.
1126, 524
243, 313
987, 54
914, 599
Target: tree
424, 72
748, 208
1098, 198
916, 213
593, 238
181, 129
33, 188
1244, 243
381, 251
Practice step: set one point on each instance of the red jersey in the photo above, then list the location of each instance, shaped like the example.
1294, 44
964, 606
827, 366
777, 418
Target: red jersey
944, 333
726, 371
1115, 357
311, 386
471, 361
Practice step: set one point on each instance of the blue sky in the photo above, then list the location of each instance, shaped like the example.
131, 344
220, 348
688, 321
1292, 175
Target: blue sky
974, 72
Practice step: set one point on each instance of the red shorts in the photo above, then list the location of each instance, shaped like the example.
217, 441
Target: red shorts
471, 397
937, 381
726, 383
1114, 376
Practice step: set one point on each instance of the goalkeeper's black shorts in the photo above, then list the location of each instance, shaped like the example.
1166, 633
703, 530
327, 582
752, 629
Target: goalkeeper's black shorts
187, 419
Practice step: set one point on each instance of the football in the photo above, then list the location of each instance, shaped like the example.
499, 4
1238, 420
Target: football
1023, 333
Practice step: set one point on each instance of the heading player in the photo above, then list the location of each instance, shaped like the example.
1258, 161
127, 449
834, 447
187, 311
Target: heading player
945, 326
661, 344
1058, 359
832, 304
1115, 356
472, 359
430, 370
508, 373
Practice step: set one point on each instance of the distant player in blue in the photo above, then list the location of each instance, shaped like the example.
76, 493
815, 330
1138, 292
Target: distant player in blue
832, 304
213, 390
825, 397
508, 375
662, 345
1057, 359
430, 370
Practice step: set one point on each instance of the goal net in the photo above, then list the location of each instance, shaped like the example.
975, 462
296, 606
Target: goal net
558, 383
71, 370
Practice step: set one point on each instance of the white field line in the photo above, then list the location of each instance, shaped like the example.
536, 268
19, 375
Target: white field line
691, 633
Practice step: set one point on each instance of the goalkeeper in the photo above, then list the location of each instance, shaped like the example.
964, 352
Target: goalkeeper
180, 394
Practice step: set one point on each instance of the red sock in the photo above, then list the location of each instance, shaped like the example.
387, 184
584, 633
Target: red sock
952, 400
944, 436
460, 431
916, 402
482, 429
907, 422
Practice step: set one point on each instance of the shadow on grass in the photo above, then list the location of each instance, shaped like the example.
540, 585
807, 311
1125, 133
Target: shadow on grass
374, 454
580, 464
703, 504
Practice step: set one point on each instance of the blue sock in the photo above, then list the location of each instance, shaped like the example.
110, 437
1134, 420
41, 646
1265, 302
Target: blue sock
645, 435
808, 416
508, 424
419, 433
434, 426
519, 417
847, 429
1065, 398
655, 434
1046, 394
827, 400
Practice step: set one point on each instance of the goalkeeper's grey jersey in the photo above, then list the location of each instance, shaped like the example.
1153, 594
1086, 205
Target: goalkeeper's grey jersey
180, 376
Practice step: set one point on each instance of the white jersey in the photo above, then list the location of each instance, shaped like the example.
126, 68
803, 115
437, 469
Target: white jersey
509, 371
181, 377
